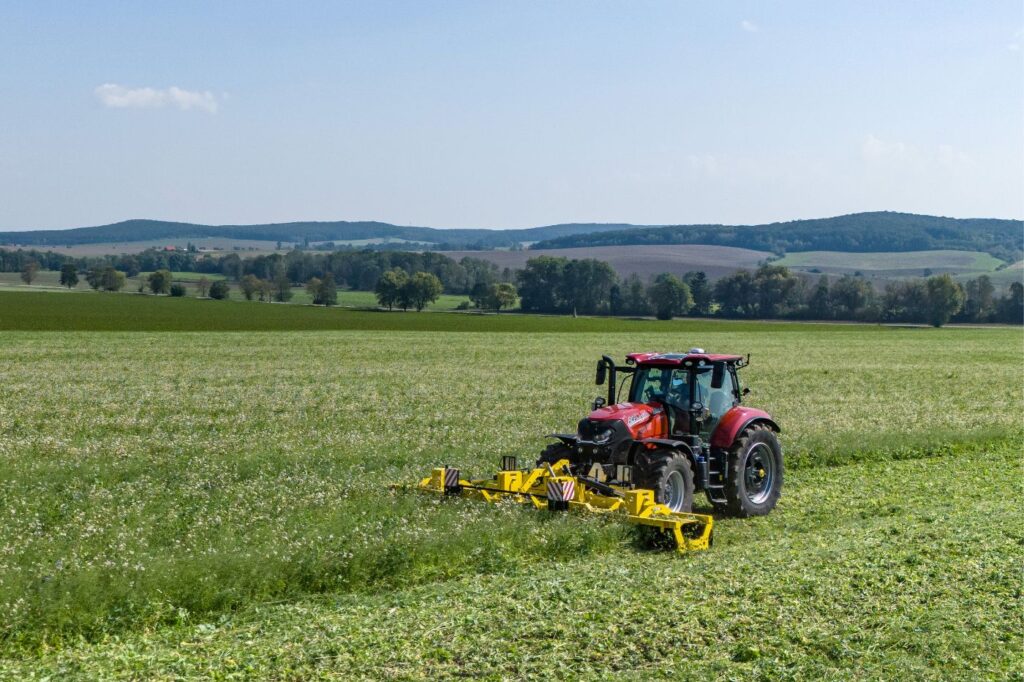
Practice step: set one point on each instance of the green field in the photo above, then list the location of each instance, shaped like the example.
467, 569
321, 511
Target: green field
215, 504
50, 281
964, 264
46, 311
187, 277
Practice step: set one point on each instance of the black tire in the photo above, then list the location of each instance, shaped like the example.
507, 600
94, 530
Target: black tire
670, 475
754, 473
554, 452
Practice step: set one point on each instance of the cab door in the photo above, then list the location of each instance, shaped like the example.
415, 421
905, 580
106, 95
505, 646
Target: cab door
715, 388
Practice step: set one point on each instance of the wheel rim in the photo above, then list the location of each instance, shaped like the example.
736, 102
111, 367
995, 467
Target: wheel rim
759, 473
675, 491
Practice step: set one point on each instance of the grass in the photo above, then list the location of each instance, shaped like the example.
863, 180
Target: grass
180, 276
10, 282
215, 504
346, 299
92, 311
880, 268
912, 262
863, 573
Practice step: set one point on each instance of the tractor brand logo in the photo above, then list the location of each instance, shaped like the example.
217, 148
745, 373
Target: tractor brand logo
636, 419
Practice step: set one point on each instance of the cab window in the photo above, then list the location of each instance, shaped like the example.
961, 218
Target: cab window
663, 384
720, 400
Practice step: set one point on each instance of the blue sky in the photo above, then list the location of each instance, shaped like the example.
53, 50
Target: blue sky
508, 114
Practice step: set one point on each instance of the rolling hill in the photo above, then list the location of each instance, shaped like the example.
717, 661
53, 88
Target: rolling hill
300, 232
859, 232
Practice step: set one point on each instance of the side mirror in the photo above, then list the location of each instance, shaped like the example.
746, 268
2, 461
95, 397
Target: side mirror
717, 375
602, 372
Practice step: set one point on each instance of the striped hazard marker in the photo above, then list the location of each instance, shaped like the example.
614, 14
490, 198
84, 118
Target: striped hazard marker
559, 494
451, 481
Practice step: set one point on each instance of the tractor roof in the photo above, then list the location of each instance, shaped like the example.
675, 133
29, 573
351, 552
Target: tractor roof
675, 359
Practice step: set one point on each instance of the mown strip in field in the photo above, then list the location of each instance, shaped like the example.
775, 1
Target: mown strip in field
863, 571
90, 311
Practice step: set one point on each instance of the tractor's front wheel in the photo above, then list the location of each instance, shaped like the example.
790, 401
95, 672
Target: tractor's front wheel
754, 473
670, 475
554, 452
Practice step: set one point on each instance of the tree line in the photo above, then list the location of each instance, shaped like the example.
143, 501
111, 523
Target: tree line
558, 285
555, 285
359, 270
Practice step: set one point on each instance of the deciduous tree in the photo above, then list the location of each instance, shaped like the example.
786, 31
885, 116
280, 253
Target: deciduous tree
159, 281
220, 289
670, 296
29, 271
389, 287
422, 289
500, 296
945, 297
69, 275
250, 286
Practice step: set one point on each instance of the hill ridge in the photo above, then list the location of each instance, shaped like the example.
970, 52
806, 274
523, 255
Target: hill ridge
870, 232
873, 231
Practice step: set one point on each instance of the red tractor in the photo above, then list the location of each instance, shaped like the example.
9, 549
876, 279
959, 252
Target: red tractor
682, 429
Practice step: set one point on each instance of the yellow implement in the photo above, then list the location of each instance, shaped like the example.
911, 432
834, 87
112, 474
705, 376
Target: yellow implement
557, 489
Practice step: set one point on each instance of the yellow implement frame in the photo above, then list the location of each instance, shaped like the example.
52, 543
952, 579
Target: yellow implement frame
556, 488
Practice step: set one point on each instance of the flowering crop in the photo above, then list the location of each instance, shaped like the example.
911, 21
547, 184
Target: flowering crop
152, 478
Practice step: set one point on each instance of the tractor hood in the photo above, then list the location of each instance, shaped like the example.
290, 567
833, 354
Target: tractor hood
638, 420
631, 414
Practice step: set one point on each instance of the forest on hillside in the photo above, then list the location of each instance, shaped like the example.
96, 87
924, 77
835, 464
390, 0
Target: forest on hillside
859, 232
871, 232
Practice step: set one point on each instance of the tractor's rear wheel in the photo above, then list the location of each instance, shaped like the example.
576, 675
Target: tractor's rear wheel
753, 473
554, 452
669, 474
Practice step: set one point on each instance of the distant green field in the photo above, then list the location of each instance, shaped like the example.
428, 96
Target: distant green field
97, 311
1008, 275
44, 279
11, 281
187, 276
911, 263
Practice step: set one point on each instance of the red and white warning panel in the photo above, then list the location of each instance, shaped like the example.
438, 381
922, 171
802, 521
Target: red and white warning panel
560, 492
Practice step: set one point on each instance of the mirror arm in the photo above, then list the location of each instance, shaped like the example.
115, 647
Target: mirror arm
610, 364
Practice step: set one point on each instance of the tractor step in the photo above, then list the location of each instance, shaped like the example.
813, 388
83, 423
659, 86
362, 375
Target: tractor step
716, 483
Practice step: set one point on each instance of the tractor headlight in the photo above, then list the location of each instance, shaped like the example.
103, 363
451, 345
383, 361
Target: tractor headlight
603, 436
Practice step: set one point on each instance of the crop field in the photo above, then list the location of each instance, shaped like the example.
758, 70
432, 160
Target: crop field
645, 261
892, 265
180, 504
50, 281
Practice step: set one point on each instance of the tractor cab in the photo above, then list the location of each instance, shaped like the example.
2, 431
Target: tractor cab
696, 390
689, 393
676, 426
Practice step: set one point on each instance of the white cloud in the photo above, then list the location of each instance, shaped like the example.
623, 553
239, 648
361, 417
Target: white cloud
883, 153
749, 26
120, 97
876, 149
1018, 38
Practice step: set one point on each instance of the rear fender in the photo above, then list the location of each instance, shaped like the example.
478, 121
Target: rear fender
735, 420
